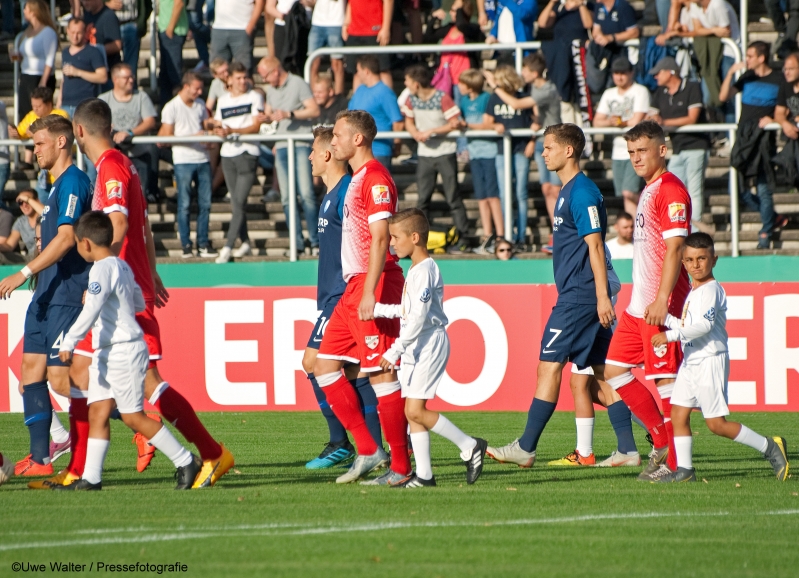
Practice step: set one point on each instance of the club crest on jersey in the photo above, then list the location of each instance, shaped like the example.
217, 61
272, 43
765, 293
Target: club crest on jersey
113, 189
661, 350
94, 288
425, 295
372, 341
381, 195
677, 212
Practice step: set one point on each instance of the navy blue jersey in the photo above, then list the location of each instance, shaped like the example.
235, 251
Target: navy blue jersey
330, 282
63, 283
580, 211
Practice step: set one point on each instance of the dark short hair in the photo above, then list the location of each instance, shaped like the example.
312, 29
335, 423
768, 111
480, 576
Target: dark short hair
237, 67
97, 227
761, 48
32, 192
369, 62
535, 62
647, 129
700, 241
361, 122
43, 93
190, 76
76, 20
56, 125
323, 134
420, 73
568, 134
412, 221
94, 115
624, 216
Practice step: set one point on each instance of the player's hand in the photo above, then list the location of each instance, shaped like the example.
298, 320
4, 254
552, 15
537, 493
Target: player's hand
384, 36
10, 283
659, 339
604, 309
385, 364
655, 313
161, 294
65, 357
366, 309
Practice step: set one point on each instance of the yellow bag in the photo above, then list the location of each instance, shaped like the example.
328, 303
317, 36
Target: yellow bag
438, 241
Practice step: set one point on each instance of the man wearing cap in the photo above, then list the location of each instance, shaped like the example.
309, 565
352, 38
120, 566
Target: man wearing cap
678, 102
623, 106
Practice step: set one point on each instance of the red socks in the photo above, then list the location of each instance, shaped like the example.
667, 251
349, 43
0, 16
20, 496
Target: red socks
180, 414
344, 402
78, 434
643, 405
391, 409
672, 459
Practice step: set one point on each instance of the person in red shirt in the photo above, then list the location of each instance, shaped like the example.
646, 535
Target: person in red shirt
370, 269
118, 193
368, 23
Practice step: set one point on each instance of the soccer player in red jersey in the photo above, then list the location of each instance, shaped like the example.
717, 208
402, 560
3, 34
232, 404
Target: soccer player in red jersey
118, 193
660, 286
372, 275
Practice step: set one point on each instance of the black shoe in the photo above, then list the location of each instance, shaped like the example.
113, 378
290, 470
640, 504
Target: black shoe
80, 485
188, 253
414, 481
763, 242
206, 252
474, 465
186, 475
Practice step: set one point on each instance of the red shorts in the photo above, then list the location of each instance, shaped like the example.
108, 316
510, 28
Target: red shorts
347, 338
152, 336
631, 346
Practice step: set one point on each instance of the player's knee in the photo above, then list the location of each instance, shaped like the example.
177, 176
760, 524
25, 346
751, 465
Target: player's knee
414, 414
327, 379
620, 380
59, 381
716, 425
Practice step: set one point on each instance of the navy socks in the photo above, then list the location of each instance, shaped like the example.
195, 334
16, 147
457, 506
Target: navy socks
620, 418
38, 415
538, 416
366, 394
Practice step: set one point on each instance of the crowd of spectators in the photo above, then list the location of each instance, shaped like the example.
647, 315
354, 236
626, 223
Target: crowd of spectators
680, 76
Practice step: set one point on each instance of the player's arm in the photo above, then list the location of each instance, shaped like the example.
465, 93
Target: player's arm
599, 267
708, 305
656, 312
52, 253
377, 260
388, 311
516, 103
420, 289
119, 220
99, 289
161, 294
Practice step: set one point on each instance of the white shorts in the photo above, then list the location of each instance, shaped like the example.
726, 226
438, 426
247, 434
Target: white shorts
117, 372
420, 375
704, 385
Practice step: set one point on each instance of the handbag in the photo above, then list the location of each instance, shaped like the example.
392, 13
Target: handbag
442, 80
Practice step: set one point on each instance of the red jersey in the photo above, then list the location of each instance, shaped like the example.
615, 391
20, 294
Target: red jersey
371, 196
118, 188
367, 17
664, 211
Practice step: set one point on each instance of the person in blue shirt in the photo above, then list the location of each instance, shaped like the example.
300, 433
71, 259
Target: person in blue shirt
513, 22
330, 288
379, 100
578, 329
62, 278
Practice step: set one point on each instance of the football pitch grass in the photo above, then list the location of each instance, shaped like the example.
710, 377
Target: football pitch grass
272, 517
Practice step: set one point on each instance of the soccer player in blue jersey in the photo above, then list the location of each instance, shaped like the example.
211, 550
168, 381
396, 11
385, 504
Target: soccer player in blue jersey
62, 278
330, 287
578, 329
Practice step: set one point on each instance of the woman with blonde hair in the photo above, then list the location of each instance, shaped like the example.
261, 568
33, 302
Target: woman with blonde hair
36, 49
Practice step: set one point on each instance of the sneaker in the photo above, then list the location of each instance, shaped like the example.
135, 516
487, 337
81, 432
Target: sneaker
6, 470
780, 221
27, 467
80, 485
59, 449
243, 250
206, 252
486, 247
763, 242
574, 459
146, 450
188, 252
200, 68
62, 478
362, 465
214, 469
618, 459
474, 465
334, 453
548, 247
314, 251
657, 457
512, 454
777, 455
224, 256
414, 481
681, 475
521, 248
186, 475
390, 478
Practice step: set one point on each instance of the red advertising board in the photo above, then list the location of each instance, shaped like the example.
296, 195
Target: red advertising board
239, 349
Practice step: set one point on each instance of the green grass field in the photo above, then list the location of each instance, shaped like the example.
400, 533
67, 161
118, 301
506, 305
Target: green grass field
271, 517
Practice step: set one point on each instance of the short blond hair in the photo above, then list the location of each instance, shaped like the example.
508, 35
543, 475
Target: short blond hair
508, 79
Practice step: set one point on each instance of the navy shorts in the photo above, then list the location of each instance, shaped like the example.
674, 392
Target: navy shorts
45, 327
484, 178
321, 324
573, 333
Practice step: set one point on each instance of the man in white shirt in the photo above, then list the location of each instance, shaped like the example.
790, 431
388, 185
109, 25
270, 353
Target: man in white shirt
233, 30
621, 246
186, 115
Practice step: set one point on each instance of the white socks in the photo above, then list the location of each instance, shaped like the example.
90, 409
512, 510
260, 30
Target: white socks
421, 454
96, 450
752, 439
165, 442
585, 435
57, 431
449, 430
683, 445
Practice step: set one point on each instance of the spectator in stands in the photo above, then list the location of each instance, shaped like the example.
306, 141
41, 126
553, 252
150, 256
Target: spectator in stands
377, 98
102, 31
37, 48
787, 111
133, 114
291, 105
514, 21
220, 71
201, 33
41, 105
459, 30
759, 87
503, 250
83, 67
678, 102
326, 23
5, 155
186, 115
429, 113
24, 228
786, 30
233, 30
127, 13
614, 24
621, 246
623, 106
329, 103
368, 23
238, 113
173, 26
292, 27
